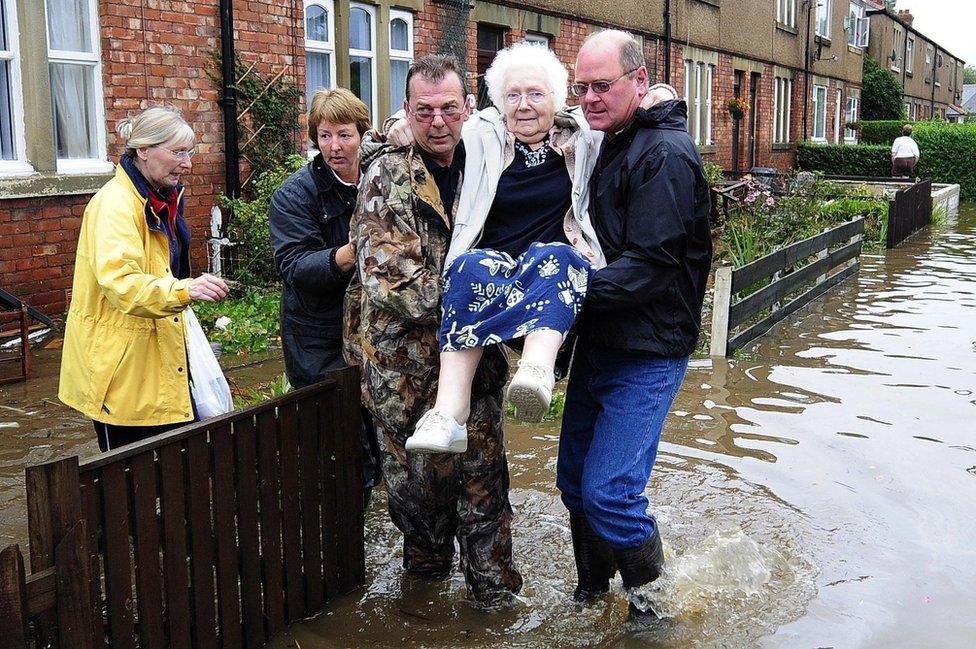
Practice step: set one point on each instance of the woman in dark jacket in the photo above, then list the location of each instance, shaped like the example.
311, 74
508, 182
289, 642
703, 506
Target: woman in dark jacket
309, 220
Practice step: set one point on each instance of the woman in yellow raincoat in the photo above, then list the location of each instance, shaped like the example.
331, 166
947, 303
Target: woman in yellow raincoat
124, 363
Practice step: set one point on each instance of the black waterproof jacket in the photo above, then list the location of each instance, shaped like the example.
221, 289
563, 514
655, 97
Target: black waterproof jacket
649, 202
309, 221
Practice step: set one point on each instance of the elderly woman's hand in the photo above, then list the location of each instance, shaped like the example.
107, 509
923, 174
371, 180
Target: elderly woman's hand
400, 134
207, 288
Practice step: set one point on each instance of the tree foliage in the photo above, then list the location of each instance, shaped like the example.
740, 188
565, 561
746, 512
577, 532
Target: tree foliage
970, 74
881, 94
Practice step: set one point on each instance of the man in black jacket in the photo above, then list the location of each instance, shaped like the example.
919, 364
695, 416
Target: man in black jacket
649, 203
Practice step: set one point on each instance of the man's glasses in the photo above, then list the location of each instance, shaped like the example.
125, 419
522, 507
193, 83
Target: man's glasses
599, 87
534, 97
182, 154
449, 114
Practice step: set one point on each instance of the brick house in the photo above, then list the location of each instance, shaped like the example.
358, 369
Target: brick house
931, 78
71, 69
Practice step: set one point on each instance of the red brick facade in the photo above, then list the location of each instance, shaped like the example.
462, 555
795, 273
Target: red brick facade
160, 53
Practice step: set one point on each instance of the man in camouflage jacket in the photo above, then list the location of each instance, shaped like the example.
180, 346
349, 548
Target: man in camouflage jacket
401, 230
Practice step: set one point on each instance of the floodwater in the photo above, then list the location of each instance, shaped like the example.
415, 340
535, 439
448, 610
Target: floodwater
817, 491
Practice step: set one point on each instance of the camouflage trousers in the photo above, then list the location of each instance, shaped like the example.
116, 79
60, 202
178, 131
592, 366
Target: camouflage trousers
434, 499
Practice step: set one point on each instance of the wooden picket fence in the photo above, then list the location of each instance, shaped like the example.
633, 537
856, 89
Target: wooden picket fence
909, 212
787, 272
218, 534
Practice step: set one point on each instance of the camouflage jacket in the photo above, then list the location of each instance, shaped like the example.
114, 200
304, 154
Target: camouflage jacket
392, 310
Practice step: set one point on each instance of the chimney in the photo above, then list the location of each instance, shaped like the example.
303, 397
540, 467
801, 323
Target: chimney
906, 16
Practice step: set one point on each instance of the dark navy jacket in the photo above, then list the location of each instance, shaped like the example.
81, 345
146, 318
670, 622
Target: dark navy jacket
309, 221
649, 202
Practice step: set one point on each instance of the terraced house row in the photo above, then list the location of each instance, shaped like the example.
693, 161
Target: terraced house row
71, 69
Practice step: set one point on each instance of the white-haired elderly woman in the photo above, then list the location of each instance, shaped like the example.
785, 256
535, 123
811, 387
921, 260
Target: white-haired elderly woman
522, 251
124, 362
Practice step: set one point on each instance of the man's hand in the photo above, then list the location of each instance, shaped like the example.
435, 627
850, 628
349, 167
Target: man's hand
400, 134
345, 257
207, 288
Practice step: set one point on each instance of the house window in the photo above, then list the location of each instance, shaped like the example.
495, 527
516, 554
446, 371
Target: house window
362, 54
782, 105
12, 146
401, 55
491, 39
319, 46
896, 52
698, 95
820, 113
541, 39
853, 100
823, 17
76, 87
928, 63
858, 26
786, 12
910, 55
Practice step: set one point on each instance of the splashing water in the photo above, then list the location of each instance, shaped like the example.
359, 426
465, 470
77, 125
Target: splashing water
727, 566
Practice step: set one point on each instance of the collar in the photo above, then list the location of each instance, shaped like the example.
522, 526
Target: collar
142, 184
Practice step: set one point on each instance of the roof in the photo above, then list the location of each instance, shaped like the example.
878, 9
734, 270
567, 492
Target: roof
955, 110
969, 97
894, 17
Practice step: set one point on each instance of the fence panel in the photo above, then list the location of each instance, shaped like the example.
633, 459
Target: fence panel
909, 212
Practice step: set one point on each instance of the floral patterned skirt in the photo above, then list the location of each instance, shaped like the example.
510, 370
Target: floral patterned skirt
491, 298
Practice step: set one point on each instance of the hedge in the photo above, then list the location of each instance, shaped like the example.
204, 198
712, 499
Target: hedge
844, 159
881, 131
948, 152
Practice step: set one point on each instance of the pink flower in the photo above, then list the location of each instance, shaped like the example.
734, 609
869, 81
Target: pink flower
770, 201
751, 198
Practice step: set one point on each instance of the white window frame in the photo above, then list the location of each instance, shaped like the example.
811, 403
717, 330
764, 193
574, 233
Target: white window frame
910, 54
100, 163
18, 166
541, 39
401, 55
699, 87
824, 15
838, 104
850, 116
819, 104
322, 47
782, 107
369, 54
897, 41
786, 12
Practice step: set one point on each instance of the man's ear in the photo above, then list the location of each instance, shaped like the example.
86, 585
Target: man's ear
641, 77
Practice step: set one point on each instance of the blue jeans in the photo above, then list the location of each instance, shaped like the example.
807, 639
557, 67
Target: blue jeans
616, 404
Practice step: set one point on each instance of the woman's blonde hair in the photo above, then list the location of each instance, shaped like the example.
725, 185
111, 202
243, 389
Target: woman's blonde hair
152, 127
338, 106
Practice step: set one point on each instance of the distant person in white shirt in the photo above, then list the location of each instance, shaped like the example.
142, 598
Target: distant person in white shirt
904, 154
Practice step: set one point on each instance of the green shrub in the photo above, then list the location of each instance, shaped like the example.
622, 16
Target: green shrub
844, 159
714, 174
881, 94
248, 227
254, 321
881, 131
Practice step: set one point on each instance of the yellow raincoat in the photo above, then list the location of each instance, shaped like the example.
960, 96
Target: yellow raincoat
124, 357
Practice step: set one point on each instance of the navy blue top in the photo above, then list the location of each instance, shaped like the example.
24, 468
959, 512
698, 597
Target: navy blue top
530, 203
446, 178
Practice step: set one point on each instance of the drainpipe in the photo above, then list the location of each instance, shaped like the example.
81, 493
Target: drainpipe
232, 172
667, 42
806, 71
935, 70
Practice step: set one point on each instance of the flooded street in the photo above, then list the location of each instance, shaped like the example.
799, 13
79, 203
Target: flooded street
816, 491
819, 491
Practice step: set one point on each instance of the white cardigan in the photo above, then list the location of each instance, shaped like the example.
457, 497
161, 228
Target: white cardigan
489, 150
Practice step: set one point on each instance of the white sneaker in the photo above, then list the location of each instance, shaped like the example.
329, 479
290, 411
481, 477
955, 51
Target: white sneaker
438, 432
531, 391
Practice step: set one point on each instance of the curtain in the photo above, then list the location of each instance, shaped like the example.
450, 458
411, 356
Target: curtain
361, 78
318, 72
398, 83
69, 25
71, 88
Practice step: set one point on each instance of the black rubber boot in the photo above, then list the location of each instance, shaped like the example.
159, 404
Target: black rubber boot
595, 566
640, 566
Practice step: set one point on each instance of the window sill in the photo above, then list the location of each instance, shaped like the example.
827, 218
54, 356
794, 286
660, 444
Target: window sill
707, 148
713, 3
823, 40
15, 169
783, 27
851, 141
783, 146
819, 140
68, 167
854, 49
36, 185
909, 73
895, 68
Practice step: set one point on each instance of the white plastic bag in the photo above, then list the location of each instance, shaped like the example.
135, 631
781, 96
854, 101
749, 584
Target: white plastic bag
211, 394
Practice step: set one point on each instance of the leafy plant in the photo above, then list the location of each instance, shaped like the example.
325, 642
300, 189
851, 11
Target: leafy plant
242, 324
261, 393
714, 174
844, 159
881, 94
737, 107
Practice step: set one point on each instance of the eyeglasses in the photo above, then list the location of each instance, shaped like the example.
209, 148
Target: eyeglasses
599, 87
449, 114
534, 97
182, 154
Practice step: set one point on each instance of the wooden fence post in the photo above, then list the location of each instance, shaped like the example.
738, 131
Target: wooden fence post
722, 298
13, 599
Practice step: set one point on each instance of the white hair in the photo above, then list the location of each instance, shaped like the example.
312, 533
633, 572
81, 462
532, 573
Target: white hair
523, 55
152, 127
